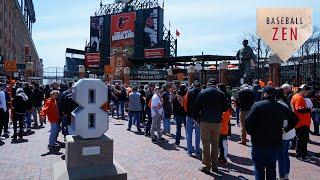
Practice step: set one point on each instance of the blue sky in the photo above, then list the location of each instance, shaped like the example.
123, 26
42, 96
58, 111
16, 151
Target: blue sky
211, 26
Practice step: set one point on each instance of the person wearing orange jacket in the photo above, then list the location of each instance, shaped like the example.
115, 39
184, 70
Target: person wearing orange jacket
303, 112
225, 127
50, 110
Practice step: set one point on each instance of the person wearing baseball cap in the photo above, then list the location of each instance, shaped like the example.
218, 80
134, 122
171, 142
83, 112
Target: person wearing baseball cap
209, 107
303, 112
264, 124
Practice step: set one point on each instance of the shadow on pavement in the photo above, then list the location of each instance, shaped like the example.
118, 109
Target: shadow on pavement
28, 133
222, 175
240, 160
63, 157
18, 141
238, 169
1, 143
38, 127
52, 152
139, 133
167, 146
314, 143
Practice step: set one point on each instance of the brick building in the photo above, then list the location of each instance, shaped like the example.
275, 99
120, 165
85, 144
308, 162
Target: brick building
16, 19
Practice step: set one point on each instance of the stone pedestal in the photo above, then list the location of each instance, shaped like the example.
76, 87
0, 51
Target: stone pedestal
88, 159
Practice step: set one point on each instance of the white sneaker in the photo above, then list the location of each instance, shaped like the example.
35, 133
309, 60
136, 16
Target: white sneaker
2, 138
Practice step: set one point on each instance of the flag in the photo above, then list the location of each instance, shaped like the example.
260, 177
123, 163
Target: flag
178, 33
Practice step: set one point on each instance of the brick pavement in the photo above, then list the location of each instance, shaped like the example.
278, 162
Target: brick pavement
141, 158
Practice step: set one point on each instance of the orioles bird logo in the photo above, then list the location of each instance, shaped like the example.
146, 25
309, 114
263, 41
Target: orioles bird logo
123, 22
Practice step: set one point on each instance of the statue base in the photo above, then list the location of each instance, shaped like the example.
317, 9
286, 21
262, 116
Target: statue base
88, 159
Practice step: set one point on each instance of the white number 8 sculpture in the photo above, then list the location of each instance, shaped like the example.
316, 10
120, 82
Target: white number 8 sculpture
90, 121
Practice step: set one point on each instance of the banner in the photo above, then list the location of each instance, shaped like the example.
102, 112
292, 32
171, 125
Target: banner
284, 29
122, 31
92, 60
96, 30
10, 66
155, 74
151, 27
154, 53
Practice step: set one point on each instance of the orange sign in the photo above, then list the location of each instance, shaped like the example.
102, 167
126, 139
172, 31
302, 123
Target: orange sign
284, 29
10, 66
108, 69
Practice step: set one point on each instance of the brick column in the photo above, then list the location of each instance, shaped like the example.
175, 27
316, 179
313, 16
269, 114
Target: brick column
223, 72
274, 70
191, 74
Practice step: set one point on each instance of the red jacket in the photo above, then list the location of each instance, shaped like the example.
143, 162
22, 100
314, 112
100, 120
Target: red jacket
50, 109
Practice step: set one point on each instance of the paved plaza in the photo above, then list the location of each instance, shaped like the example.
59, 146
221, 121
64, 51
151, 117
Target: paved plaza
141, 158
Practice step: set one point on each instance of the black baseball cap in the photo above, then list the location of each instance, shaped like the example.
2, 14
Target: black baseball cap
212, 82
270, 90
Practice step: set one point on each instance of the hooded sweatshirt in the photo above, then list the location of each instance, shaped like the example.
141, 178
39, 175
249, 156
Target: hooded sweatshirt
19, 101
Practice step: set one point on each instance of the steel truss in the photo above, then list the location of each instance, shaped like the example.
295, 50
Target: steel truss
115, 8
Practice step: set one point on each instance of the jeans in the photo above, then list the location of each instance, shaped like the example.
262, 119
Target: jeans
64, 126
166, 125
284, 160
149, 122
117, 108
190, 126
316, 121
6, 121
35, 112
135, 117
265, 162
237, 115
243, 115
121, 108
18, 118
179, 121
28, 118
1, 120
223, 146
302, 141
53, 133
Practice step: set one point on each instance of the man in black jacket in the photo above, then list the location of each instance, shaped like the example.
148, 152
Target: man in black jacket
210, 105
67, 106
149, 95
191, 121
37, 103
265, 125
245, 101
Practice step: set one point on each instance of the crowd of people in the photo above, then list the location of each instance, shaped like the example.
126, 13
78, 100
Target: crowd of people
276, 118
25, 103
